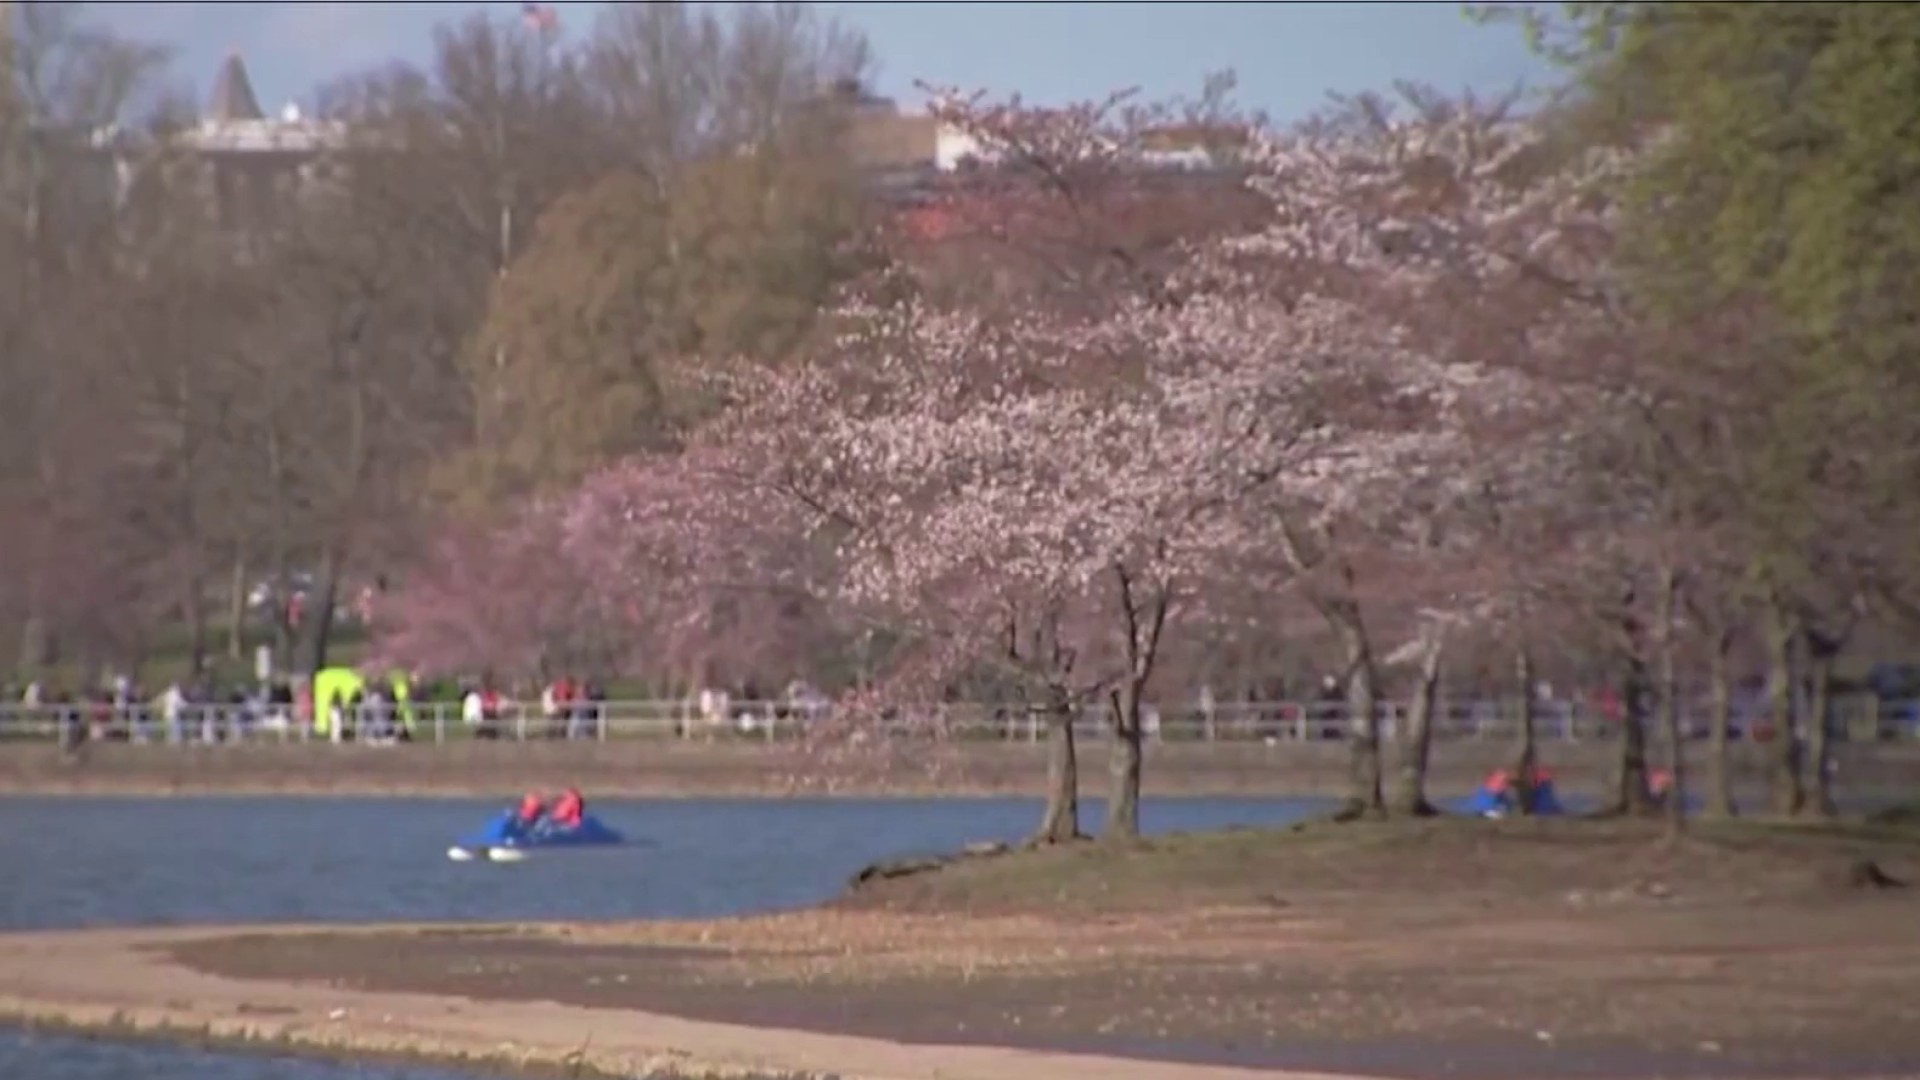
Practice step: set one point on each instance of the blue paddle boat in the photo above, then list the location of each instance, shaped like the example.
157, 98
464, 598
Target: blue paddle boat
507, 839
1498, 795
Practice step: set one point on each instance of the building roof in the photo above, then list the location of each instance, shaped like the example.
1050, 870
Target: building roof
891, 140
232, 97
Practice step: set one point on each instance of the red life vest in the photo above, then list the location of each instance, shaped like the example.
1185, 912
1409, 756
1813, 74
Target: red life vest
567, 809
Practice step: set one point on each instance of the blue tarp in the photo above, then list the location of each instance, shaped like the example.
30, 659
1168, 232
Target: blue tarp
505, 830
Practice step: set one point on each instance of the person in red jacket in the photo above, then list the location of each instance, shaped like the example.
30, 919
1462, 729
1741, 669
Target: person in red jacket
567, 810
532, 806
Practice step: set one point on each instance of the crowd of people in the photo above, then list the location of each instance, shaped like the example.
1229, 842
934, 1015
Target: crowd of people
371, 710
184, 711
568, 708
387, 710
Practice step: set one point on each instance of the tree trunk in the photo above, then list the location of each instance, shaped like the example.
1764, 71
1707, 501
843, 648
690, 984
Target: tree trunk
1819, 737
36, 643
317, 614
1060, 821
1719, 779
237, 610
282, 576
1123, 766
1416, 742
195, 603
1783, 630
1527, 757
1666, 694
282, 630
1631, 793
1364, 795
37, 646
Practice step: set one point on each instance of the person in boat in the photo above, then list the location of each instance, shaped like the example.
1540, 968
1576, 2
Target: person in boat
1504, 785
567, 810
529, 813
1659, 786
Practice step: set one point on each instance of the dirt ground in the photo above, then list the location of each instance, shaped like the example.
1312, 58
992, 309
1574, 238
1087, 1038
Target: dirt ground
671, 768
1450, 948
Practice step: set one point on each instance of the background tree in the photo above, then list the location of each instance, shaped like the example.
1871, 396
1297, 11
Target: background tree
65, 83
1772, 191
709, 223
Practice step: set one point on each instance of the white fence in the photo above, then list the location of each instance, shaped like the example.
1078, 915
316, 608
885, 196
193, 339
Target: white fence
1857, 719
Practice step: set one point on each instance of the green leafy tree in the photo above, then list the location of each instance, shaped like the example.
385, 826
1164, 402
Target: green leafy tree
1775, 151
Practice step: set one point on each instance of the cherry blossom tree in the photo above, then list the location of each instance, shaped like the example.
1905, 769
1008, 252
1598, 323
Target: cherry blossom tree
699, 572
657, 564
1425, 229
491, 597
1084, 454
1002, 490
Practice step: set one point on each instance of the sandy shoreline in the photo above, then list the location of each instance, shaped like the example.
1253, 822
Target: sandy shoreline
122, 981
646, 769
127, 984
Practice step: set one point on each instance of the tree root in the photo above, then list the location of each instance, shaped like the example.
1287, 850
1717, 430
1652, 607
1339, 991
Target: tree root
1042, 841
1358, 810
1866, 874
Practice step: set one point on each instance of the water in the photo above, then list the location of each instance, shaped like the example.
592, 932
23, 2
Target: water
51, 1057
99, 862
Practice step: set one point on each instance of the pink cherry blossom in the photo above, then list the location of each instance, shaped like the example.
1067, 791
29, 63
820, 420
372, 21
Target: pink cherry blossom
490, 598
1042, 473
1088, 454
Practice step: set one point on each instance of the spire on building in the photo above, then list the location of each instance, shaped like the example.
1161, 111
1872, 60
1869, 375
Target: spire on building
232, 97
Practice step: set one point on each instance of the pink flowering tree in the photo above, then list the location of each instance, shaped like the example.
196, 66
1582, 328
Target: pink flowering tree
1509, 263
1008, 500
1049, 476
490, 597
700, 572
660, 564
1442, 233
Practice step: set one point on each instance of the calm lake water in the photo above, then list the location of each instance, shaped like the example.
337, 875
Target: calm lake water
106, 862
48, 1057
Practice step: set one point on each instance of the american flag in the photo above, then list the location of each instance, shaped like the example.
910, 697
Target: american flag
539, 17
